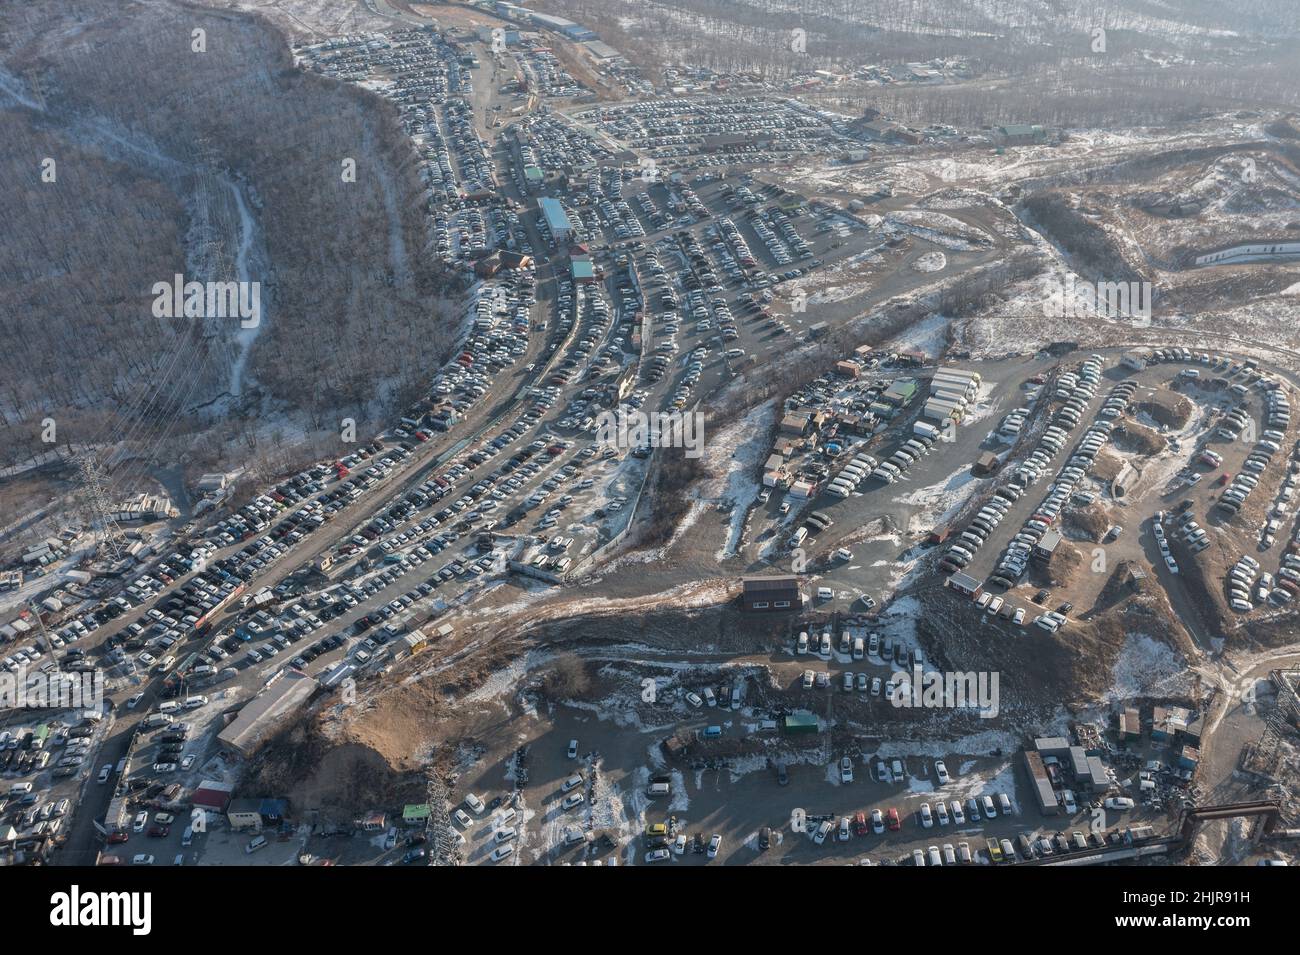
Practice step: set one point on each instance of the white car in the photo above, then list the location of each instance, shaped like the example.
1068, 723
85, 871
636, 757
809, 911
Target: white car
958, 813
474, 803
462, 817
846, 770
877, 821
1120, 803
927, 818
715, 843
941, 773
500, 852
941, 812
572, 800
822, 832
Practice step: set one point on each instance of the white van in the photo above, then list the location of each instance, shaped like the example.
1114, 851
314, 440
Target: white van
825, 593
258, 842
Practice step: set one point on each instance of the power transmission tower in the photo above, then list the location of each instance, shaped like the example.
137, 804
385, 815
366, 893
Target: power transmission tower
38, 92
99, 512
1268, 745
443, 847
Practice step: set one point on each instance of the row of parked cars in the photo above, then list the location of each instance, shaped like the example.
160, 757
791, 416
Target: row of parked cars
680, 127
907, 454
1257, 461
941, 814
1014, 561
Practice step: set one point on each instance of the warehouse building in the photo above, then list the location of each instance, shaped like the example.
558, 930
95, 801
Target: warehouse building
1045, 795
266, 711
556, 219
602, 51
1021, 134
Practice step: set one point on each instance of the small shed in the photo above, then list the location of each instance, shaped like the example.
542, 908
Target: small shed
796, 723
965, 584
1130, 724
415, 814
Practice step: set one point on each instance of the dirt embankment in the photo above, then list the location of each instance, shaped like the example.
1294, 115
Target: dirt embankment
343, 759
336, 777
1088, 523
1038, 670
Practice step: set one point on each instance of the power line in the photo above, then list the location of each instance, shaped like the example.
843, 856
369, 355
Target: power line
98, 510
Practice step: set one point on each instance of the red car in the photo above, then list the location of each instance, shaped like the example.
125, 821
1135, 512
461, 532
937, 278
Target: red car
860, 824
116, 837
894, 822
159, 832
